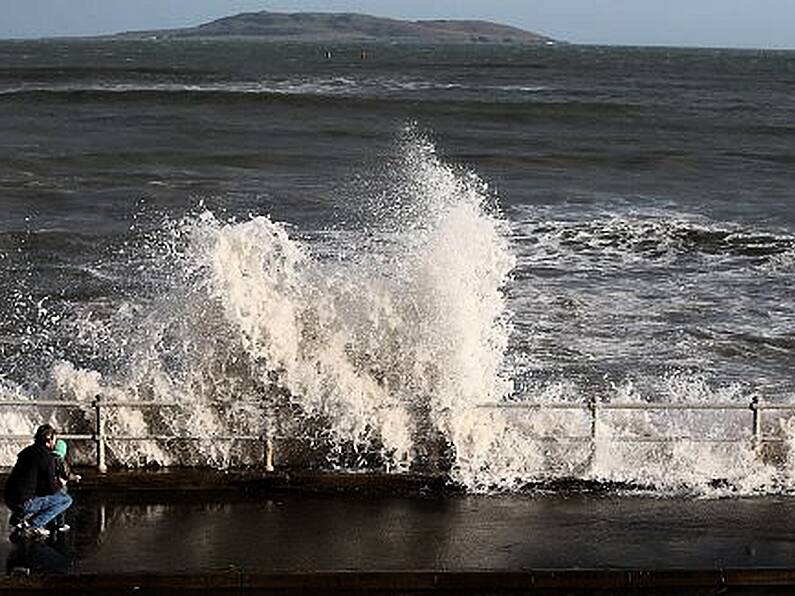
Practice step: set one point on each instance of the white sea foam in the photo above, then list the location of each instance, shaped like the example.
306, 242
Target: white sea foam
324, 86
382, 347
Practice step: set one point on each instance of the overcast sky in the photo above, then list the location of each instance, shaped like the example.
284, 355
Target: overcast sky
716, 23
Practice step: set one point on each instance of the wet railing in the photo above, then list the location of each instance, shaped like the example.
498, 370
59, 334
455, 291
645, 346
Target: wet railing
754, 406
596, 409
100, 436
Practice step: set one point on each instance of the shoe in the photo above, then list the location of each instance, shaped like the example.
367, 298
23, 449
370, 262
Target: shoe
38, 533
25, 534
19, 527
63, 528
17, 521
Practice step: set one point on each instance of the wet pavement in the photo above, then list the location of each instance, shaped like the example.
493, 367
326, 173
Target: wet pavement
204, 532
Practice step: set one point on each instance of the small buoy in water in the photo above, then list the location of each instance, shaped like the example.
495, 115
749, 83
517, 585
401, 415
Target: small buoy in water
328, 54
363, 55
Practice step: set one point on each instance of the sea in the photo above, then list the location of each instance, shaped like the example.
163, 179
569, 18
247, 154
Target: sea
511, 265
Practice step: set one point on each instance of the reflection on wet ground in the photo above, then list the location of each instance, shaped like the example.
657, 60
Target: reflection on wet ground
38, 557
159, 533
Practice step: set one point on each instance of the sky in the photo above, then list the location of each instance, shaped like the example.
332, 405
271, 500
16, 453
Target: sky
694, 23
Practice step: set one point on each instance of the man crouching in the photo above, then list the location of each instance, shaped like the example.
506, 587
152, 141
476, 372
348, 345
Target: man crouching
32, 490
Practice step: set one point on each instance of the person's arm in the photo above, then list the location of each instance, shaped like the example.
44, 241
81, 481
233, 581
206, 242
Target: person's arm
68, 474
53, 483
60, 473
61, 469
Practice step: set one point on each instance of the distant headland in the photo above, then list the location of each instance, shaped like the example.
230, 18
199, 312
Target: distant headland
344, 27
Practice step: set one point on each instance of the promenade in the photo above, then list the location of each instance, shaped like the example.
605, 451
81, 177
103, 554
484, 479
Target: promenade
243, 533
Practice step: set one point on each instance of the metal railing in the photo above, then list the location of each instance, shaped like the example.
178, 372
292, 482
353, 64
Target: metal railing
101, 437
594, 406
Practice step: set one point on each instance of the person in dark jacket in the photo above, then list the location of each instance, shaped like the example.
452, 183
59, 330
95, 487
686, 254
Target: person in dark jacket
32, 490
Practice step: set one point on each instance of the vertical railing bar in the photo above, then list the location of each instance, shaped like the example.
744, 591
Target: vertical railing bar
756, 412
102, 466
593, 406
268, 438
268, 452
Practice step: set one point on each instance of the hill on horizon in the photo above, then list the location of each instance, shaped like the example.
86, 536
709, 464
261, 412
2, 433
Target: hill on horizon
345, 27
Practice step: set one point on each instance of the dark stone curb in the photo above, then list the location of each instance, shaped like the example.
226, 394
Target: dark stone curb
411, 581
194, 479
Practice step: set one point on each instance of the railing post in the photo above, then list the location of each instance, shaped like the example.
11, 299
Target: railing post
756, 421
268, 453
593, 405
99, 434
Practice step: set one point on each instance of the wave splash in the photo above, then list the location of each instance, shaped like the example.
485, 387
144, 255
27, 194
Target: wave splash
376, 352
388, 347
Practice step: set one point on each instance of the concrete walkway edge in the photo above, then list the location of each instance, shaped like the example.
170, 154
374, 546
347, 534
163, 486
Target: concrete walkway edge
411, 580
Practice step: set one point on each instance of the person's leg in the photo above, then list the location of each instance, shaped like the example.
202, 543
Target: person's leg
16, 517
60, 521
29, 509
18, 520
44, 509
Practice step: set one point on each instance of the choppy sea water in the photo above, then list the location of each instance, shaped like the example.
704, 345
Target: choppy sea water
358, 255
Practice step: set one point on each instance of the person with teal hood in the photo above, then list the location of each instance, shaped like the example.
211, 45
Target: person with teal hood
64, 475
60, 448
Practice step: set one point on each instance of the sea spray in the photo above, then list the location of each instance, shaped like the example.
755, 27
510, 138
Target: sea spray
383, 345
389, 348
381, 348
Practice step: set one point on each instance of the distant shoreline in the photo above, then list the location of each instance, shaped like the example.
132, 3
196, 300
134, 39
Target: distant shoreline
336, 28
117, 38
